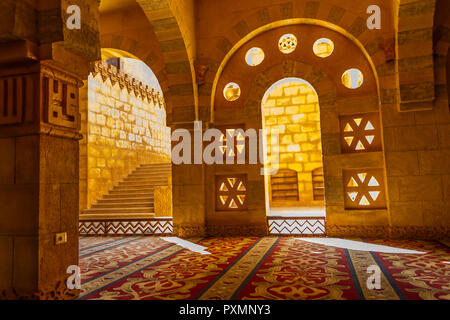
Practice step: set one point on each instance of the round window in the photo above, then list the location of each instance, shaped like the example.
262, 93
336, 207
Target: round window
254, 56
232, 91
352, 78
287, 43
323, 47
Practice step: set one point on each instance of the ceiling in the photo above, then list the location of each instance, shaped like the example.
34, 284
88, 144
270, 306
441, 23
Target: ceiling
113, 5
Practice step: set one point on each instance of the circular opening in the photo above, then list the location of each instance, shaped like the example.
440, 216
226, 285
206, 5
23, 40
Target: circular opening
287, 43
232, 91
352, 78
323, 47
254, 56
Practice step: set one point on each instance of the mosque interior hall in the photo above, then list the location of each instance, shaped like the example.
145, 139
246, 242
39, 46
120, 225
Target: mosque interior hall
224, 150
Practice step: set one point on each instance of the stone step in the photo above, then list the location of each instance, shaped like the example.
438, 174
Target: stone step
122, 190
104, 205
151, 172
156, 165
118, 210
147, 177
134, 195
131, 198
144, 183
115, 216
138, 185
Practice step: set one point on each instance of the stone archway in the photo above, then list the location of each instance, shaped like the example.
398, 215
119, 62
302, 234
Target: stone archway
294, 194
173, 30
338, 106
171, 54
120, 124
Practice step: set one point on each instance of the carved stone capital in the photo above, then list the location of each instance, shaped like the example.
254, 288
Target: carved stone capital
200, 73
40, 99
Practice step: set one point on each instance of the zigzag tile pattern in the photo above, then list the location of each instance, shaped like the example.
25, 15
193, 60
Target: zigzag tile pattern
297, 226
144, 227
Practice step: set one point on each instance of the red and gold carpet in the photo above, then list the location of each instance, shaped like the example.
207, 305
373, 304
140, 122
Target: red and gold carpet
281, 268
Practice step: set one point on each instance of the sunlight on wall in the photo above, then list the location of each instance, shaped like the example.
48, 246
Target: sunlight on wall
291, 107
124, 128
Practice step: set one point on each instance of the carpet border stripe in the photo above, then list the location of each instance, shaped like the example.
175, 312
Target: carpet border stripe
107, 245
356, 283
394, 286
240, 266
224, 271
255, 269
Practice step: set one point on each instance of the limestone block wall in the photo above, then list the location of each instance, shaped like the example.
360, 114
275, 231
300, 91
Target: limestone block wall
124, 126
292, 110
163, 201
418, 166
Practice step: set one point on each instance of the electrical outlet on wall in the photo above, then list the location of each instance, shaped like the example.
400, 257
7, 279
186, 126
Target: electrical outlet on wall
60, 238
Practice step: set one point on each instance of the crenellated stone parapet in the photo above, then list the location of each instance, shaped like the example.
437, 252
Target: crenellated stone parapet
131, 84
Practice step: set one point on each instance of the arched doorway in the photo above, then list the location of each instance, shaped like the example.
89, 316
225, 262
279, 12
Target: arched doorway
125, 168
290, 109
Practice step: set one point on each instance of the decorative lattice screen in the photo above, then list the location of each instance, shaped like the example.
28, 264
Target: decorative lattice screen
360, 133
364, 189
231, 192
239, 140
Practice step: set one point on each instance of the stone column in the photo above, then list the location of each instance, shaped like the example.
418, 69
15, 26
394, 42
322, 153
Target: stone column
40, 76
188, 193
39, 124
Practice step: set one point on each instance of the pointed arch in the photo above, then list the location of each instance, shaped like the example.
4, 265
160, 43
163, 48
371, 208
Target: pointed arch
177, 44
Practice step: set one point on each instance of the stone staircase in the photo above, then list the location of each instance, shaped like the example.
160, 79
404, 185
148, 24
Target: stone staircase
132, 198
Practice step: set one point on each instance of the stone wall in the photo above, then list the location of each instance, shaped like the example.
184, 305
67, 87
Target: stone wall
292, 109
125, 126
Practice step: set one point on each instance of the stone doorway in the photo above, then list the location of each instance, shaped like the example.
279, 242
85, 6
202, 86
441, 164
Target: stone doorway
295, 192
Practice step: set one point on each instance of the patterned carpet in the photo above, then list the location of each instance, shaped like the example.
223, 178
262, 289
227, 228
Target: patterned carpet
245, 268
